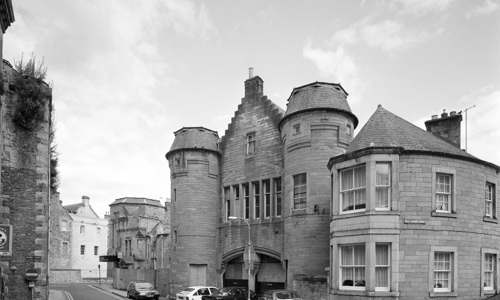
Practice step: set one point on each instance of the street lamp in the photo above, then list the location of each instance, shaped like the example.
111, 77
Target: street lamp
249, 246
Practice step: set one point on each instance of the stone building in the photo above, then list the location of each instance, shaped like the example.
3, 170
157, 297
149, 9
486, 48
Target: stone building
413, 215
260, 206
139, 230
25, 188
268, 172
78, 237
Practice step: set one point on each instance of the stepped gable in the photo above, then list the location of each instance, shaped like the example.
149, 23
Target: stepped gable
385, 129
195, 138
319, 95
275, 112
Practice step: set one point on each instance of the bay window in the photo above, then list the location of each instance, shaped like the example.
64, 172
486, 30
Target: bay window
353, 189
383, 186
382, 267
352, 267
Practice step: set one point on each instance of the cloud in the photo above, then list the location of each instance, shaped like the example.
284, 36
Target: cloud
419, 7
391, 36
337, 63
187, 18
485, 8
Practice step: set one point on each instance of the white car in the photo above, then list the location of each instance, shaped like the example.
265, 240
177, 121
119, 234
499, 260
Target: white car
195, 292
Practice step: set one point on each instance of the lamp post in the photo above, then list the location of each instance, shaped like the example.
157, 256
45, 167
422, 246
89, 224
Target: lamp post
249, 246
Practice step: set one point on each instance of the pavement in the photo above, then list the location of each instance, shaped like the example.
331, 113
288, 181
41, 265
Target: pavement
108, 287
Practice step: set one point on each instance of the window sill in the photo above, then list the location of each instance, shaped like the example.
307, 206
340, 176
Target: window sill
489, 292
444, 214
298, 212
490, 220
365, 293
442, 294
366, 213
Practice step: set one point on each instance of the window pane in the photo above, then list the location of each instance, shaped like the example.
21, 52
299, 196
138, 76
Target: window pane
382, 194
382, 174
381, 276
359, 177
382, 255
347, 180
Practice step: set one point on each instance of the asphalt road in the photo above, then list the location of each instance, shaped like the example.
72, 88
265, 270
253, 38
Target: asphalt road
79, 291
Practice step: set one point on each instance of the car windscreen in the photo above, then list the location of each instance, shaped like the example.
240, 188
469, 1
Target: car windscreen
144, 285
222, 292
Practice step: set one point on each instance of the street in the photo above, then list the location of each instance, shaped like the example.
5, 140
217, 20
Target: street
79, 291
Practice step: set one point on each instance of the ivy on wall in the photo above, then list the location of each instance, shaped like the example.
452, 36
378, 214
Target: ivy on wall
33, 93
30, 109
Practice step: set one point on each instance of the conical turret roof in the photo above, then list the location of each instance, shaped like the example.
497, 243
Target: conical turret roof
319, 95
195, 138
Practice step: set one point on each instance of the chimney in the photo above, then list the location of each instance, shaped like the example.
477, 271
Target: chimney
85, 201
254, 85
447, 127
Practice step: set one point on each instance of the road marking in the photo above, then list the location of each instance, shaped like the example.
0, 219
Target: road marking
68, 295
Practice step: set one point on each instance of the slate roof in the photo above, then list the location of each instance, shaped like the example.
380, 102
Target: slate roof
73, 207
136, 200
385, 129
318, 95
195, 137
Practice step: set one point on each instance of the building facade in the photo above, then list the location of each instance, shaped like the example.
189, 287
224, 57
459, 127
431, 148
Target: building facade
290, 199
78, 237
413, 215
140, 238
263, 215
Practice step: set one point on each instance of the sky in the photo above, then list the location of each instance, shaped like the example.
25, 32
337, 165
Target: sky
127, 74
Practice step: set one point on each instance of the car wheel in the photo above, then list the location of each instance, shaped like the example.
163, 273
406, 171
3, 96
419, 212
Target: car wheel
128, 296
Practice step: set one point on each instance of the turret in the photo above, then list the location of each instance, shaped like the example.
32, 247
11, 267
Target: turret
317, 125
194, 175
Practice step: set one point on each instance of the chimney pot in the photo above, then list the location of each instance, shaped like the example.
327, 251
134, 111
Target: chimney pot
452, 113
444, 114
250, 72
434, 117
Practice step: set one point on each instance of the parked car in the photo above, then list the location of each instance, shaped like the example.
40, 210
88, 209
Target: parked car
280, 294
195, 292
230, 293
142, 290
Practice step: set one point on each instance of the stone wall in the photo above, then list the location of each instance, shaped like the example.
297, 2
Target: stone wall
467, 230
25, 197
57, 258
